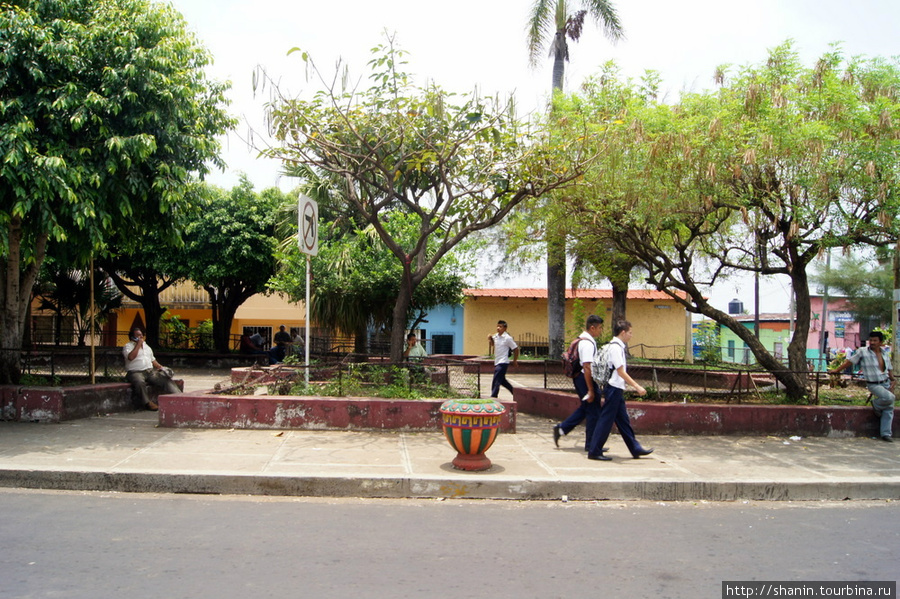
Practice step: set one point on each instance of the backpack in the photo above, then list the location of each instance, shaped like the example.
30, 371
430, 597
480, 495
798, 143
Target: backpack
571, 361
600, 369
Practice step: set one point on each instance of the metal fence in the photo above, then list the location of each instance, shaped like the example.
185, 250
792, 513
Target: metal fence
71, 363
685, 383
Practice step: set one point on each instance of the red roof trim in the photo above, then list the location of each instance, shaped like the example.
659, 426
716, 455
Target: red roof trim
524, 293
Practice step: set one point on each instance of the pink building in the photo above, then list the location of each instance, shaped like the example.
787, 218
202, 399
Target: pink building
840, 324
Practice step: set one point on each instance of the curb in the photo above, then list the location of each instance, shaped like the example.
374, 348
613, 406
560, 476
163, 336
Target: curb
462, 487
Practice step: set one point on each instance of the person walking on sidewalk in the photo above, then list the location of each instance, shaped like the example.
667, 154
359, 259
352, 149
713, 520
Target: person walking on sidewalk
142, 369
502, 345
613, 410
877, 370
588, 391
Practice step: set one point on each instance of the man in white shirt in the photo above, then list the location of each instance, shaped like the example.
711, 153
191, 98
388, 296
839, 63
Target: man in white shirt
613, 410
143, 369
502, 345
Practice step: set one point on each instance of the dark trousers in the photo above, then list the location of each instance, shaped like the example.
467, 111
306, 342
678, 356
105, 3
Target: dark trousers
586, 412
500, 379
613, 412
141, 380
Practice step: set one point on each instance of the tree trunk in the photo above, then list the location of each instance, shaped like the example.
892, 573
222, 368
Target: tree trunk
556, 297
398, 325
619, 300
15, 292
556, 245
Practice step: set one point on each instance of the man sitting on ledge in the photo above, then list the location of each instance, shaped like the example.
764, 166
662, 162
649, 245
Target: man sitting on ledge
143, 369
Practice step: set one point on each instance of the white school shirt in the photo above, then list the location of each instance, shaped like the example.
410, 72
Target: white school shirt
503, 347
616, 359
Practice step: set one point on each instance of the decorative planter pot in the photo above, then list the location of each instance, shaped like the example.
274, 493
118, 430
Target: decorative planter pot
471, 427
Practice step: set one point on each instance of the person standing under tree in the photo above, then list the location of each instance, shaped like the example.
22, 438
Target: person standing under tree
501, 345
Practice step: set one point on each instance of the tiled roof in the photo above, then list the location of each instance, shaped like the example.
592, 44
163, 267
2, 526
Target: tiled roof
541, 293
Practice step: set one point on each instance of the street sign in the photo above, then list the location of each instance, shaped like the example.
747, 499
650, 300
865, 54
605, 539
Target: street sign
308, 225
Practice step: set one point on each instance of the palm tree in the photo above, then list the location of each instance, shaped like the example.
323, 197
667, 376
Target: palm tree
551, 23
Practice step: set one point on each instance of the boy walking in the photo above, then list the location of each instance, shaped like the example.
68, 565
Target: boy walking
502, 345
588, 391
613, 410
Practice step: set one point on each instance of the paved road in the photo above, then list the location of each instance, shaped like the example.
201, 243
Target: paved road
91, 545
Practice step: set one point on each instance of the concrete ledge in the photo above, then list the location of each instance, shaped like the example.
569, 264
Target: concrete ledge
311, 413
459, 486
652, 418
57, 404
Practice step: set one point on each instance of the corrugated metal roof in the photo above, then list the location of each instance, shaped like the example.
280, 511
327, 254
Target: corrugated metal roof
541, 293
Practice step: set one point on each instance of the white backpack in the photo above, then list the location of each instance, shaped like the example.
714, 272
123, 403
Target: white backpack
600, 369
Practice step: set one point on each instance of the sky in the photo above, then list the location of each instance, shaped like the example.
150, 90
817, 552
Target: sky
469, 44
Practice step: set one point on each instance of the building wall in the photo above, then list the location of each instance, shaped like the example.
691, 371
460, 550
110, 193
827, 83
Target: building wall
770, 335
843, 330
659, 332
444, 321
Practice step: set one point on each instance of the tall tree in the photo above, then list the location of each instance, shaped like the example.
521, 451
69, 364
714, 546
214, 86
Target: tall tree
761, 176
107, 114
456, 164
867, 283
551, 24
229, 251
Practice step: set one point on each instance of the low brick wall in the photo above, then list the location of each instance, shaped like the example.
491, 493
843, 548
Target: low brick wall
652, 418
200, 410
56, 404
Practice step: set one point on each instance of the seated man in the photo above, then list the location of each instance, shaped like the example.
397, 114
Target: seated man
414, 351
143, 370
282, 342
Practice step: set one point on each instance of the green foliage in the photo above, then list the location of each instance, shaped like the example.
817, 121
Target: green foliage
867, 284
708, 338
107, 114
454, 164
204, 336
229, 250
762, 175
356, 278
394, 382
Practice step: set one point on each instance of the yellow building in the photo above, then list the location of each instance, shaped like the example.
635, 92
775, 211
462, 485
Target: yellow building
260, 313
662, 328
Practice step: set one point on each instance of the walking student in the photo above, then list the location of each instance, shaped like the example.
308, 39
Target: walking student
502, 345
588, 391
876, 368
613, 410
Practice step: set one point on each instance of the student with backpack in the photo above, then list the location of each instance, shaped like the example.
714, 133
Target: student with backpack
585, 386
613, 411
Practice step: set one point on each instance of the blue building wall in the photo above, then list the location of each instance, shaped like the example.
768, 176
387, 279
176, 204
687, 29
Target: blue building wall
444, 329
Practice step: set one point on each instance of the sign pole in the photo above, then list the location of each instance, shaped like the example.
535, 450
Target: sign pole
308, 241
306, 369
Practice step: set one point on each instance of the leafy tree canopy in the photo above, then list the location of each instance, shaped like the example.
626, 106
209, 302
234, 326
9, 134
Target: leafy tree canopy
107, 114
456, 164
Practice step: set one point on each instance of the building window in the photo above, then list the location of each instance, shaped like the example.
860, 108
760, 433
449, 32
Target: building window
731, 348
442, 344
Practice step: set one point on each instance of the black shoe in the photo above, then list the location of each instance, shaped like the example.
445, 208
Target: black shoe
641, 452
601, 457
887, 438
601, 451
557, 431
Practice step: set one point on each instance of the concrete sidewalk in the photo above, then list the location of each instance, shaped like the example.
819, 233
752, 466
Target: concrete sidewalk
129, 452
